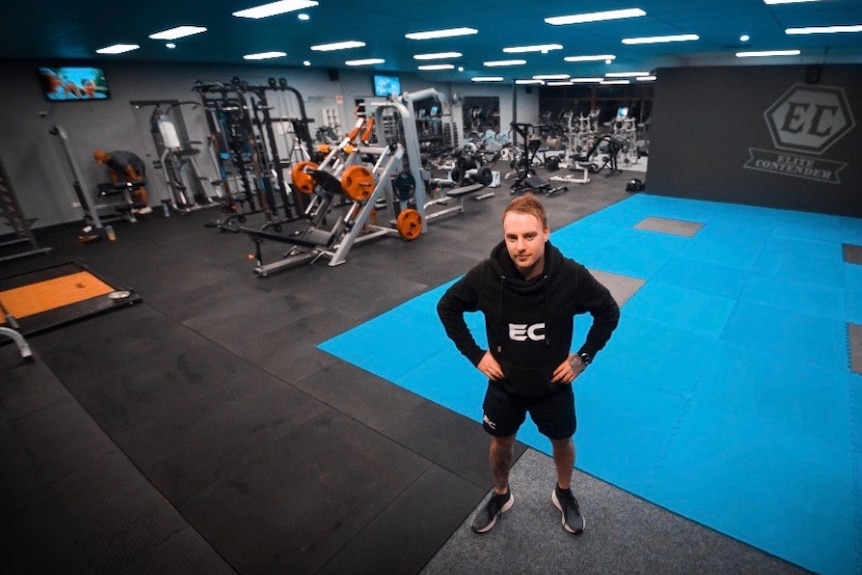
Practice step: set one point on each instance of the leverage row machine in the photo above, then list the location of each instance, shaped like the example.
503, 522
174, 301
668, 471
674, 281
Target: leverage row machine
526, 177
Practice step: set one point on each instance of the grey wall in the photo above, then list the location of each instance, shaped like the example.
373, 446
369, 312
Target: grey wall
38, 171
775, 136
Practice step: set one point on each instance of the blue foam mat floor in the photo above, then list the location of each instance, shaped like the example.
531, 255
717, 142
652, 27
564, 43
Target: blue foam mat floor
726, 393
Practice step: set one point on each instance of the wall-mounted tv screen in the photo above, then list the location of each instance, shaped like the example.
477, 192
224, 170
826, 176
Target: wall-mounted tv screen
74, 83
387, 86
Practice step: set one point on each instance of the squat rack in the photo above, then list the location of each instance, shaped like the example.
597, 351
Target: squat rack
242, 123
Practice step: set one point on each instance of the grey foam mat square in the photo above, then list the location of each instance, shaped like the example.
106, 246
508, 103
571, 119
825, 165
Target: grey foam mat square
854, 337
852, 254
621, 287
669, 226
621, 535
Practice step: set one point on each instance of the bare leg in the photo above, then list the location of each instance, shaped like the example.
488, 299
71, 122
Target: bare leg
564, 461
141, 196
500, 456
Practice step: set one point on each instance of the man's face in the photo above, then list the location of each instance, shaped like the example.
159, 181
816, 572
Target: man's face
525, 240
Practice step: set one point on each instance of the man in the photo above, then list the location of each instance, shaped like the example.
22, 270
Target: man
127, 167
529, 294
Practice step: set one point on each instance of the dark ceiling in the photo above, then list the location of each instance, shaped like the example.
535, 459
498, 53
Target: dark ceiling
75, 29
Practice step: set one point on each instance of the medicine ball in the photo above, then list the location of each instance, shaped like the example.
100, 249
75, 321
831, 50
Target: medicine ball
635, 185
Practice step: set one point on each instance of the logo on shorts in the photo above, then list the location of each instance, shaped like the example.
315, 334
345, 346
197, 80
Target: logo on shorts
488, 422
522, 332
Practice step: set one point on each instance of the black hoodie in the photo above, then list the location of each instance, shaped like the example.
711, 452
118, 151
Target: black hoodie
529, 323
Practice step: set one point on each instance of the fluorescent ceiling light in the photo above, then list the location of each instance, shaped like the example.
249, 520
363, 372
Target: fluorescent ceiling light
625, 74
590, 58
365, 62
437, 67
766, 53
264, 55
787, 1
274, 8
438, 56
338, 46
551, 77
543, 48
645, 78
614, 82
561, 83
117, 49
662, 39
447, 33
585, 80
178, 32
595, 16
824, 29
529, 82
495, 63
487, 79
304, 17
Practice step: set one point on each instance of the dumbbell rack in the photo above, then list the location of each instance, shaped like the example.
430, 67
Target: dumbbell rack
10, 211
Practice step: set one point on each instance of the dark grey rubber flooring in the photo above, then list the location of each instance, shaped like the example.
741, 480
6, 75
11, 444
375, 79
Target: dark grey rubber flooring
202, 431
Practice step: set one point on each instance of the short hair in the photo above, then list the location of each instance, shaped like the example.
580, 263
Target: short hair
101, 156
530, 205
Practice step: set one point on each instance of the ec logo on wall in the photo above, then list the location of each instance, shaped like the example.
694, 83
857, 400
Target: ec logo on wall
806, 120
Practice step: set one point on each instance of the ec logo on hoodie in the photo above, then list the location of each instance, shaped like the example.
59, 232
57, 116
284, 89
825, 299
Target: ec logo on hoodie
523, 332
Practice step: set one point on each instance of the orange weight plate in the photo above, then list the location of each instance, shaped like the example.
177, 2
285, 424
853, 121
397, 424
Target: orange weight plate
357, 183
303, 181
409, 224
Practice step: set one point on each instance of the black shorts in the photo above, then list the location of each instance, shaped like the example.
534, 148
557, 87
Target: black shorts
554, 414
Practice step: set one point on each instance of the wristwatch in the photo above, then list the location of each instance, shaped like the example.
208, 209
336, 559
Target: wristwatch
586, 358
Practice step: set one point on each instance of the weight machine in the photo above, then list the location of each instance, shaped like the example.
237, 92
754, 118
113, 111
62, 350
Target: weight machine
526, 177
359, 173
176, 157
244, 120
343, 174
625, 133
574, 135
395, 121
612, 146
229, 143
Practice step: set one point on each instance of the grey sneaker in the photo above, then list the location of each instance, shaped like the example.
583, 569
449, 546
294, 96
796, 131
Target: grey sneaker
573, 521
485, 519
